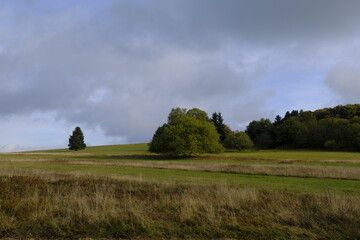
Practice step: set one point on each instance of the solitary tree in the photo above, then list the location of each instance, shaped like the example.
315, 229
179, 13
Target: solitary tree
187, 133
76, 140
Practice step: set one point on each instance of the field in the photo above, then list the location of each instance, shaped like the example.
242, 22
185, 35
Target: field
123, 191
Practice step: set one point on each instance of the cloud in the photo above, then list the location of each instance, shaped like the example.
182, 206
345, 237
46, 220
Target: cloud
11, 147
123, 67
344, 80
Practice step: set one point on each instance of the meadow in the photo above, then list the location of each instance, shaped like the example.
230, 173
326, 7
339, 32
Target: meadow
123, 191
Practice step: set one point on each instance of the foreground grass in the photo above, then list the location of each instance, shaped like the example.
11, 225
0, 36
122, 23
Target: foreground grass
54, 206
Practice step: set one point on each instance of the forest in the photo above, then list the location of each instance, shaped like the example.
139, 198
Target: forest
336, 128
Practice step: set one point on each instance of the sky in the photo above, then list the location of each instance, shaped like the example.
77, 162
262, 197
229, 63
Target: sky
117, 67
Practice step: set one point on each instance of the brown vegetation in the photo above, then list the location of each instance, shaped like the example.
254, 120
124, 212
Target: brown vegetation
56, 206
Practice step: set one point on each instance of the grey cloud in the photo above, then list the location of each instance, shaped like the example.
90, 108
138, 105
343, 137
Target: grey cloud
208, 23
251, 108
344, 80
125, 67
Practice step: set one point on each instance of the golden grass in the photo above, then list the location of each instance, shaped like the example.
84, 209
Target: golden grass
59, 206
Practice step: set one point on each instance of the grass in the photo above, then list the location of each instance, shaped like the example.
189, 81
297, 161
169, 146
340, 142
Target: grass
122, 191
73, 207
139, 148
308, 155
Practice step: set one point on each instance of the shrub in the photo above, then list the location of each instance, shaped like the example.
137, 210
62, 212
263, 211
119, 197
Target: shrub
331, 145
238, 141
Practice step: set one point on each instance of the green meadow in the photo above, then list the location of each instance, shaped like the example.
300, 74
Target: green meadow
135, 161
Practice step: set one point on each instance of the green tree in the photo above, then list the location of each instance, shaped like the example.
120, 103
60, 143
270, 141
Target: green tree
356, 142
342, 132
198, 114
292, 133
220, 126
76, 140
238, 141
277, 121
260, 132
187, 133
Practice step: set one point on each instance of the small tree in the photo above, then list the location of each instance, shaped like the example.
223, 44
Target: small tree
76, 140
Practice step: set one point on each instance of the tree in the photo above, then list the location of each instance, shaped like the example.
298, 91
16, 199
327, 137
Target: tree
187, 133
260, 132
278, 121
356, 142
76, 140
238, 141
218, 121
292, 133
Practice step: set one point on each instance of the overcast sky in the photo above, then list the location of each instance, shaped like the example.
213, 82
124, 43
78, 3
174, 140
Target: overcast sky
116, 68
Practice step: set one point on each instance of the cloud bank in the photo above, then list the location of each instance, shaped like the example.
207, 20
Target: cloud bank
121, 67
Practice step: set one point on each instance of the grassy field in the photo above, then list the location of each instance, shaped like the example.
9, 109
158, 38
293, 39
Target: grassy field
123, 191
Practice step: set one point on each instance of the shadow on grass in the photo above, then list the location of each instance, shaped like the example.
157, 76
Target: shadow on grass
161, 157
137, 157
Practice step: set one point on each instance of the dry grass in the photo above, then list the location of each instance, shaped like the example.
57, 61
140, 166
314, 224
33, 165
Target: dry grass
59, 206
352, 173
273, 167
274, 170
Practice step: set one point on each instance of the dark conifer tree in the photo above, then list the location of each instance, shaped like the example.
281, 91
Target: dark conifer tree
218, 121
294, 113
278, 121
287, 116
76, 140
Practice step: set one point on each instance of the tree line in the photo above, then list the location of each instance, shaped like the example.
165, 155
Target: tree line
192, 132
336, 128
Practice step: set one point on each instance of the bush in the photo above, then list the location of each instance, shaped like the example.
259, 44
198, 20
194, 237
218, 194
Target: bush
331, 145
238, 141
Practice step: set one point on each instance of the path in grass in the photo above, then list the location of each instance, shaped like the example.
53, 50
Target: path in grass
293, 184
294, 170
